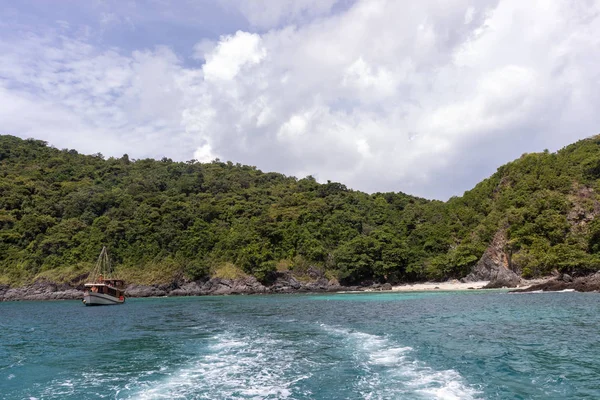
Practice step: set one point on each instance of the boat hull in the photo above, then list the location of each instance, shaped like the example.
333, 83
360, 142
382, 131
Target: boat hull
101, 299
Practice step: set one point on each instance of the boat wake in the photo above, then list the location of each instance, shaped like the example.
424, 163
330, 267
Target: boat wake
389, 372
234, 367
253, 365
321, 362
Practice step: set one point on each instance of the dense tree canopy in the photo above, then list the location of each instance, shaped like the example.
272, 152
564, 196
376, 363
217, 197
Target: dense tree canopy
165, 219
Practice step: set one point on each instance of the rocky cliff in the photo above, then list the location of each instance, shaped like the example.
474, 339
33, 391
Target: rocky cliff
494, 265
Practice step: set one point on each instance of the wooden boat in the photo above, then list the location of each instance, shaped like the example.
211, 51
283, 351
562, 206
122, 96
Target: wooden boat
103, 289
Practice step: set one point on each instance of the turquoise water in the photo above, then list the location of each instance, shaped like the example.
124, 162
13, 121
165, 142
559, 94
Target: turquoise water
442, 345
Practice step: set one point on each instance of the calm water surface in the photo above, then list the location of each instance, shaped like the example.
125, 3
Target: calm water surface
442, 345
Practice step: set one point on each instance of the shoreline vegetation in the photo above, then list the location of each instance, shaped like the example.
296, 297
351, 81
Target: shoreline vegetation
191, 228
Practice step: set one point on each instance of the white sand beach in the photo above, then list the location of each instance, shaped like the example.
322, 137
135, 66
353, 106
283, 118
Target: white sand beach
449, 285
457, 285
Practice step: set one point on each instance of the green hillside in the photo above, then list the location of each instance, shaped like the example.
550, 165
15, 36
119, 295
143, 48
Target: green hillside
163, 220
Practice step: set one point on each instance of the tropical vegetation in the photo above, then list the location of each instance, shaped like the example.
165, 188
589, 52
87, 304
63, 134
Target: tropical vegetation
165, 220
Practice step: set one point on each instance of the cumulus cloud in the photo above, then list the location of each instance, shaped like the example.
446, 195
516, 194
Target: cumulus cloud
426, 98
225, 60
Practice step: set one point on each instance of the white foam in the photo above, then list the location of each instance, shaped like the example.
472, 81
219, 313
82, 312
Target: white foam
548, 291
252, 366
390, 371
96, 384
389, 356
225, 344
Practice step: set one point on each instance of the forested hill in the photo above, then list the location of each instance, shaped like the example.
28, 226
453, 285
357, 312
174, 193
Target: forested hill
164, 220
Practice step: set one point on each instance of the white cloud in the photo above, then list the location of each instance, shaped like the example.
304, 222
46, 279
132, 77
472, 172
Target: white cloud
72, 94
426, 98
398, 96
204, 153
361, 77
232, 52
294, 127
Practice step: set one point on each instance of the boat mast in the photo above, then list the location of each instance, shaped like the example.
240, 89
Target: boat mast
103, 269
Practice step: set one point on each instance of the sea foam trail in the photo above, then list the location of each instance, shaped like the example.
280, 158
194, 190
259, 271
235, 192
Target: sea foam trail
389, 372
249, 366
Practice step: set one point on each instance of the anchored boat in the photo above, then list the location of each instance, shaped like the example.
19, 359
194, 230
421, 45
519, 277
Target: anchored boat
103, 289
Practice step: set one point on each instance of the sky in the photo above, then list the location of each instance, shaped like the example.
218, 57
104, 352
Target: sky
426, 98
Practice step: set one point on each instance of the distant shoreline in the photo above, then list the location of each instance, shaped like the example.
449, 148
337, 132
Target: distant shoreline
43, 291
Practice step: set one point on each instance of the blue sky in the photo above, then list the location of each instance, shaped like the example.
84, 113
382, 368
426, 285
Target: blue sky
424, 97
127, 25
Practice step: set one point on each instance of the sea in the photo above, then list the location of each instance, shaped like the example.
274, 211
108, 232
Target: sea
392, 345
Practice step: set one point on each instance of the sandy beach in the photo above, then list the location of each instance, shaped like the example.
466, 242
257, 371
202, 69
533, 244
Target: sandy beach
449, 285
457, 285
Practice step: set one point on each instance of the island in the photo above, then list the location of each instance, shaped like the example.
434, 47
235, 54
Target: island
191, 228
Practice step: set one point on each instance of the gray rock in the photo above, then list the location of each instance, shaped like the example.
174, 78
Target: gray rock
315, 273
144, 291
285, 283
41, 290
494, 266
248, 285
504, 278
3, 290
333, 282
187, 289
221, 287
294, 284
320, 285
590, 283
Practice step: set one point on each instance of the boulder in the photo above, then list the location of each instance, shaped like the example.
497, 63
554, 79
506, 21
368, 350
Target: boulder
503, 278
567, 278
222, 286
285, 283
187, 289
320, 285
248, 285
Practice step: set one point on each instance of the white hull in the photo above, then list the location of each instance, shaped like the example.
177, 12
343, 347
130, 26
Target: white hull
100, 299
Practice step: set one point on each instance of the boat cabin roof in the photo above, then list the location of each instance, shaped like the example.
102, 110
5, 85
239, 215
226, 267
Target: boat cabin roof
106, 282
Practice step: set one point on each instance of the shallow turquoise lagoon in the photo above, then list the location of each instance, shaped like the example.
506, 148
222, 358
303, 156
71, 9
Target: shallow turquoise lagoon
435, 345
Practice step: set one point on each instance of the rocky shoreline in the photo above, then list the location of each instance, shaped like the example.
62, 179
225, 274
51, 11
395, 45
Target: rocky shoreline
283, 283
589, 283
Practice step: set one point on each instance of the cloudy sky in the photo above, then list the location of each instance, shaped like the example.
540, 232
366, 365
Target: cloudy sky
425, 97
